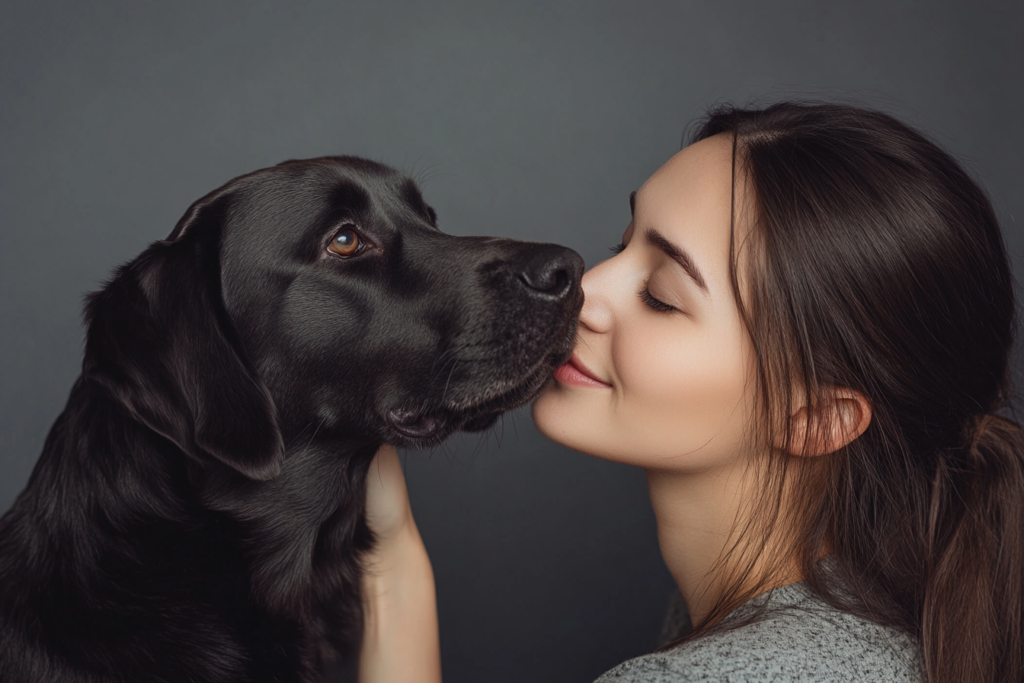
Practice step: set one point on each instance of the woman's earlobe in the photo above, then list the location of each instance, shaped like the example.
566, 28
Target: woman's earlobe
841, 416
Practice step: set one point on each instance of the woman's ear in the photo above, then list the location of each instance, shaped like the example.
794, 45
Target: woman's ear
840, 417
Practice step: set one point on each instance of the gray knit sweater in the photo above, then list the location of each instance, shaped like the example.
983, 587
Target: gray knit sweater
798, 637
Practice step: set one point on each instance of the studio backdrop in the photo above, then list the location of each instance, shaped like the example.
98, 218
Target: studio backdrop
529, 119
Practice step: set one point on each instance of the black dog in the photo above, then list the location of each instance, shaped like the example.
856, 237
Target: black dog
197, 513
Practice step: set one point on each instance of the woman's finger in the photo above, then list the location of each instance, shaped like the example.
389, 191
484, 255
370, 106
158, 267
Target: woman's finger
387, 498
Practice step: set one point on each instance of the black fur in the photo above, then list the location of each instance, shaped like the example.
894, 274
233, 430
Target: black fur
197, 513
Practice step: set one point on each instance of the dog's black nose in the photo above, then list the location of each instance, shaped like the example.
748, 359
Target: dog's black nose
552, 272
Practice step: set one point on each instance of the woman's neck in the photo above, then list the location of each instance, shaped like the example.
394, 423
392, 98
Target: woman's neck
697, 514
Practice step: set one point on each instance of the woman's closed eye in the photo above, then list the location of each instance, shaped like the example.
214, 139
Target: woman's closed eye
645, 293
657, 305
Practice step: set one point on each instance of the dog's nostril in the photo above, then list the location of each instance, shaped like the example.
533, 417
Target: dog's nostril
551, 272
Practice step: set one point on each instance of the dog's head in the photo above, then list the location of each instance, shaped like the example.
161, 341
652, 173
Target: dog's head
318, 299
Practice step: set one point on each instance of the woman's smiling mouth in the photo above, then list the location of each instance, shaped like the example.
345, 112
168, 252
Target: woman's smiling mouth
576, 373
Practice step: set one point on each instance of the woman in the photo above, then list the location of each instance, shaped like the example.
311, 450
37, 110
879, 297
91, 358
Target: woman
804, 341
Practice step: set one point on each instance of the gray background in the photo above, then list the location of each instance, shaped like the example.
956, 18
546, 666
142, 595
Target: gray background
528, 119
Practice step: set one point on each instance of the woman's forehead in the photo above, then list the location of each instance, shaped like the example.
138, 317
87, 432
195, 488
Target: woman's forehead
689, 200
704, 166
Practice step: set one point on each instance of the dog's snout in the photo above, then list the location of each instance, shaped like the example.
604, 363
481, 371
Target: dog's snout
552, 273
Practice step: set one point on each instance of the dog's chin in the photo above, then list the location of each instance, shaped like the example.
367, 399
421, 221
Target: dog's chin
481, 423
413, 429
426, 428
423, 431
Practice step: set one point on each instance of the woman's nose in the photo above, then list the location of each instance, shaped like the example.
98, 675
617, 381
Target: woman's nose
596, 313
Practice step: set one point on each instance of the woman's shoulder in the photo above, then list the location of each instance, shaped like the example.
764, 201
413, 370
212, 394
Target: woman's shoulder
794, 636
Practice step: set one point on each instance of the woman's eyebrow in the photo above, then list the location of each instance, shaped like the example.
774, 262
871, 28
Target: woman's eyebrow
677, 254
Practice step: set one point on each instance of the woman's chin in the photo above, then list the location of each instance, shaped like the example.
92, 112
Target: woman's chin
553, 417
563, 420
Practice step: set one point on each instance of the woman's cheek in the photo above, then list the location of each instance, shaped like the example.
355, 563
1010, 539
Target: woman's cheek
684, 393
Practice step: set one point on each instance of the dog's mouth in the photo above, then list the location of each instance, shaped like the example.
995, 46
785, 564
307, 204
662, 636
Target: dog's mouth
423, 427
415, 425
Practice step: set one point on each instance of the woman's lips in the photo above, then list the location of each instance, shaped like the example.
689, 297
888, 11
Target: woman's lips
575, 372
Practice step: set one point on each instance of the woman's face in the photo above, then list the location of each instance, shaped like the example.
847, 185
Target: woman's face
670, 362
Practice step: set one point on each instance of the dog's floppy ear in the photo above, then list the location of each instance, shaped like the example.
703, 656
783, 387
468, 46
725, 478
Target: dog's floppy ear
160, 339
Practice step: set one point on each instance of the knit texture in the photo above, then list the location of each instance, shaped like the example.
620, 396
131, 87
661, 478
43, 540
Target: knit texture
796, 637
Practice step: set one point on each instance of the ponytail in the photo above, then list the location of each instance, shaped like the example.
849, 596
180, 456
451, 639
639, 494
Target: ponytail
974, 598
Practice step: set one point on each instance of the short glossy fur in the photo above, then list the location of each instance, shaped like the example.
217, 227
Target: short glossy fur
197, 511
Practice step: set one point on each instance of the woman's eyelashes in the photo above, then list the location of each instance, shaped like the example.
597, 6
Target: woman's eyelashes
648, 298
645, 293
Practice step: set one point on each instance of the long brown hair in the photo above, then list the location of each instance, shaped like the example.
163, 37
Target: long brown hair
875, 263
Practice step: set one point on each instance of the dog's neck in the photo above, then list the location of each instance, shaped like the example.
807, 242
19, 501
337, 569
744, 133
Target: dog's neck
300, 521
283, 531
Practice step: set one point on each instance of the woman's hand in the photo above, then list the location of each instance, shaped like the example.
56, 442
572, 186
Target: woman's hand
400, 635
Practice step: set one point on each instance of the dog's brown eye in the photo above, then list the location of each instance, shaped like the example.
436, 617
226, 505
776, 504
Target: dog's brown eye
346, 243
